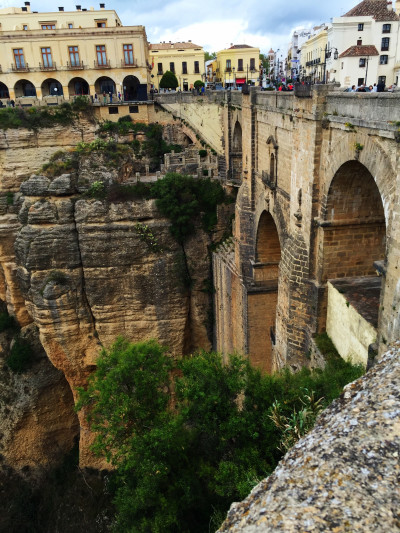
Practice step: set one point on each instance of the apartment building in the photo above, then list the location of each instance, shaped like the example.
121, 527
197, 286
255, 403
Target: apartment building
185, 60
69, 53
237, 65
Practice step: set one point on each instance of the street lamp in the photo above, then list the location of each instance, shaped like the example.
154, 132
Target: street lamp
234, 78
328, 53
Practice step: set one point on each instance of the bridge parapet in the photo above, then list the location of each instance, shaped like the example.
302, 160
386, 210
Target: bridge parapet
378, 107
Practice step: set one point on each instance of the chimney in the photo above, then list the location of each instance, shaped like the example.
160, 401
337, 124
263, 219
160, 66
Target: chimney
27, 3
60, 9
25, 9
78, 8
389, 5
102, 6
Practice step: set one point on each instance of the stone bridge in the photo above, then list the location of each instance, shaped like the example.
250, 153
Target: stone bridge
316, 237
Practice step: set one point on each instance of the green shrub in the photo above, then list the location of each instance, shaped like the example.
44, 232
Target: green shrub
184, 199
122, 193
21, 356
58, 277
202, 153
35, 118
198, 84
10, 198
179, 464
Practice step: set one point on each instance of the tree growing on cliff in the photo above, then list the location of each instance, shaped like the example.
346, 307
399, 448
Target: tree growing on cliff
182, 458
169, 81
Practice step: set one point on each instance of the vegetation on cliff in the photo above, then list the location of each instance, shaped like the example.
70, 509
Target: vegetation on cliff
34, 118
188, 437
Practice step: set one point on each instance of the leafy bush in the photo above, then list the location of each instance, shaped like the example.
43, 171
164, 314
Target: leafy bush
183, 199
21, 356
202, 153
198, 84
181, 460
122, 193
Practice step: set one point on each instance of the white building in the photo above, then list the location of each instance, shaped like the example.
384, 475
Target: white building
299, 37
363, 45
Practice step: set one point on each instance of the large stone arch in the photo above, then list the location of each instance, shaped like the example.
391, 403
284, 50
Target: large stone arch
262, 293
352, 239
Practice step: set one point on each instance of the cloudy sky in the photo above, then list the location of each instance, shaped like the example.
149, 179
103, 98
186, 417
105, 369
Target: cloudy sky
214, 24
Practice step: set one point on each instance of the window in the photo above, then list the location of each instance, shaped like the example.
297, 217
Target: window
48, 26
382, 80
133, 109
159, 68
46, 57
228, 65
362, 62
361, 27
385, 43
19, 58
101, 54
196, 67
386, 28
383, 60
240, 65
359, 42
128, 54
73, 55
184, 67
113, 110
70, 26
101, 24
172, 67
360, 81
252, 64
25, 27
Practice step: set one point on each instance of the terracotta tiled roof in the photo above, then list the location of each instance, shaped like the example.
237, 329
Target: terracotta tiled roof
377, 9
361, 50
174, 46
235, 46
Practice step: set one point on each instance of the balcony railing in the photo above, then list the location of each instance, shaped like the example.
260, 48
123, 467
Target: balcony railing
20, 68
102, 64
75, 66
129, 64
53, 66
228, 69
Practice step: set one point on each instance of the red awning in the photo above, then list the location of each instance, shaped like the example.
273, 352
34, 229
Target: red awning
239, 81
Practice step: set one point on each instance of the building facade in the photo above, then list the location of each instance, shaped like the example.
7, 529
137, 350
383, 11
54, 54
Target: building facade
313, 56
367, 41
64, 54
185, 60
237, 65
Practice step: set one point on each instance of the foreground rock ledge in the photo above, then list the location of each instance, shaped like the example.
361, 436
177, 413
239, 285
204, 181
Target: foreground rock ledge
344, 475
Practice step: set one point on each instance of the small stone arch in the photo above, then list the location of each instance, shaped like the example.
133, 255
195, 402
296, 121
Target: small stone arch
236, 156
4, 93
270, 177
52, 87
78, 87
237, 137
24, 88
104, 84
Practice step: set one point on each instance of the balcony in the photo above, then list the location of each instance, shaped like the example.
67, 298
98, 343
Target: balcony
228, 69
102, 64
75, 66
53, 66
160, 73
130, 64
20, 68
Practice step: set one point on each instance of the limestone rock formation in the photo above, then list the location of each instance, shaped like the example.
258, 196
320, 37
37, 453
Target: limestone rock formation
342, 476
38, 423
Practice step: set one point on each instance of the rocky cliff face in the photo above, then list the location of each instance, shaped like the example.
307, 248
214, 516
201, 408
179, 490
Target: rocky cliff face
88, 273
